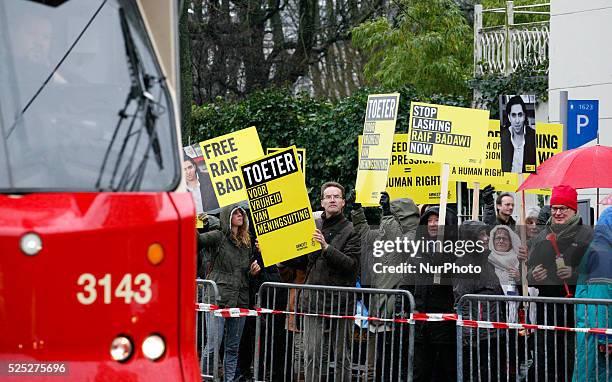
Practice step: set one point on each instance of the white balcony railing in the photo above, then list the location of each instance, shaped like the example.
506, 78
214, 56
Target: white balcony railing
505, 48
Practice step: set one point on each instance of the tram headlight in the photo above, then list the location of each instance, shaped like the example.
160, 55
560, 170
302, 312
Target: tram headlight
153, 347
121, 349
30, 244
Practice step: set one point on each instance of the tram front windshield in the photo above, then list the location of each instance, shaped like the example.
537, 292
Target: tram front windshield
83, 103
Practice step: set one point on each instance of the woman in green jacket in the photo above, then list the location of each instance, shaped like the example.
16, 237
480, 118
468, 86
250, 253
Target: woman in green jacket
228, 258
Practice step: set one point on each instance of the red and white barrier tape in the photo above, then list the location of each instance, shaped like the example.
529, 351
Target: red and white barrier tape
426, 317
506, 325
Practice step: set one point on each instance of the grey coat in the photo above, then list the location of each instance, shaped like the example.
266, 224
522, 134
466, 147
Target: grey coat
402, 223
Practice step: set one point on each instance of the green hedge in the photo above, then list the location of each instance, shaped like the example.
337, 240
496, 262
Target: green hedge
328, 131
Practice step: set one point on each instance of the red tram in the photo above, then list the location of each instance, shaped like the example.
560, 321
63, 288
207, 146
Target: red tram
97, 244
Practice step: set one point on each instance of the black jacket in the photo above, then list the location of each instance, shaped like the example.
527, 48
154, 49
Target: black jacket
439, 298
573, 248
338, 265
485, 283
542, 253
490, 218
507, 149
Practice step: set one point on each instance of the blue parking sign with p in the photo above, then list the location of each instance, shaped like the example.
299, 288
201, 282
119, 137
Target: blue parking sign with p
582, 122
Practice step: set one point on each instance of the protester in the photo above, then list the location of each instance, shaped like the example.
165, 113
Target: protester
229, 255
595, 281
505, 208
531, 223
518, 139
506, 251
572, 239
400, 220
504, 245
435, 343
543, 216
555, 274
486, 283
540, 223
336, 264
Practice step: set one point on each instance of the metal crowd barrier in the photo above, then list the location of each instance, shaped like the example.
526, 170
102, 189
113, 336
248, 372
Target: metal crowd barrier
511, 338
207, 333
324, 333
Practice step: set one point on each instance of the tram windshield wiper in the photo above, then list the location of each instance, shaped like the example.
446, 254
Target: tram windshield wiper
127, 176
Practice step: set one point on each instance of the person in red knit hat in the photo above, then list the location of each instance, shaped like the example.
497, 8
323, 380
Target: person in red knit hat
555, 273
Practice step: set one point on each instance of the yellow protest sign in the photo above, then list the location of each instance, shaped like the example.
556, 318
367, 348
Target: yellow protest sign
279, 205
504, 187
375, 148
300, 152
549, 141
447, 134
491, 172
414, 179
223, 157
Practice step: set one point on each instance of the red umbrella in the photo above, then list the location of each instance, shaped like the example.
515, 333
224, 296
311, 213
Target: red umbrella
584, 167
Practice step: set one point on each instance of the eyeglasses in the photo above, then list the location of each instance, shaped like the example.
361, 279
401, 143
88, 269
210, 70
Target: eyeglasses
562, 209
330, 197
502, 239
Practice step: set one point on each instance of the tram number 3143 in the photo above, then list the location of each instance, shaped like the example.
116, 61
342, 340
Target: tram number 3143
136, 288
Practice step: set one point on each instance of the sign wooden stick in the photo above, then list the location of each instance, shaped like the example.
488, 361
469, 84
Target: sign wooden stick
476, 201
523, 233
445, 172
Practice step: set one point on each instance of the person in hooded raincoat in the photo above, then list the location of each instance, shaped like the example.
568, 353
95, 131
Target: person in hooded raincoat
229, 254
479, 345
435, 347
595, 281
400, 220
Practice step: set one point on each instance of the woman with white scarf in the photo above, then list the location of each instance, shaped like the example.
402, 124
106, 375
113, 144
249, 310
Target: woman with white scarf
504, 246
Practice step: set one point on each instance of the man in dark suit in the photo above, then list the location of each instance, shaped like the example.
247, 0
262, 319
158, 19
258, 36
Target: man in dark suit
518, 143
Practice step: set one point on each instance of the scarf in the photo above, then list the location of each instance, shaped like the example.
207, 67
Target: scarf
568, 229
502, 261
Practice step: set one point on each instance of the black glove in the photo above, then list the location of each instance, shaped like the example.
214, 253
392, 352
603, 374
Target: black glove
385, 203
351, 200
486, 194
